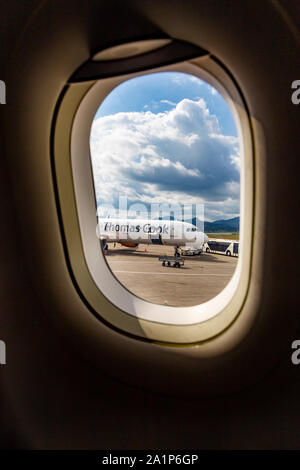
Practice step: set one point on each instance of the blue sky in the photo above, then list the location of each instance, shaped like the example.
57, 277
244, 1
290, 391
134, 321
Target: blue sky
167, 137
167, 86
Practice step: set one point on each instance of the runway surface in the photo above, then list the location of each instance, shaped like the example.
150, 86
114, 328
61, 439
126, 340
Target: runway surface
200, 279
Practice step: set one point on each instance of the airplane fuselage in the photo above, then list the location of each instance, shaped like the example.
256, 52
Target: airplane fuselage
162, 232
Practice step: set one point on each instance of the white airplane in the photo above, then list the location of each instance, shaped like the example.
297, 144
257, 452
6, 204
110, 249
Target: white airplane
131, 232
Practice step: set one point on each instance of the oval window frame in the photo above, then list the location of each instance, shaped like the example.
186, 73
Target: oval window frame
78, 210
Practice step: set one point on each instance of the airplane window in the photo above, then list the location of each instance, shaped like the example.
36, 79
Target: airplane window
166, 166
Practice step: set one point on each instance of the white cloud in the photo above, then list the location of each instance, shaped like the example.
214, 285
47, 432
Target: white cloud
168, 102
176, 156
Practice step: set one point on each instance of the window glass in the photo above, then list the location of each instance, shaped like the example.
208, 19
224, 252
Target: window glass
166, 166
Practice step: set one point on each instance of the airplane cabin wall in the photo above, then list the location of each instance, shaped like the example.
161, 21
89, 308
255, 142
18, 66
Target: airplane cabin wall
52, 393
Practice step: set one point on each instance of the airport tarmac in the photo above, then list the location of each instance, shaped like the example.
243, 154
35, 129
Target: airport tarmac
200, 279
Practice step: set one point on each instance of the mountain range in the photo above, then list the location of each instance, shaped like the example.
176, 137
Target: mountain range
229, 225
218, 226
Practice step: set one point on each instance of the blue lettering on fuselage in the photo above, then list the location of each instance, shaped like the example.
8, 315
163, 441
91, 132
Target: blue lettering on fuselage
147, 228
